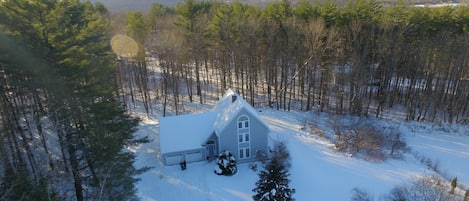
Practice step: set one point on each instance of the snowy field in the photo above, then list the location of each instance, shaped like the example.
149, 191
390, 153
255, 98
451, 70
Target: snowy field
318, 172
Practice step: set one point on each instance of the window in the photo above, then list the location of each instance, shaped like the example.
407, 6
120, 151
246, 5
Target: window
244, 152
243, 137
243, 122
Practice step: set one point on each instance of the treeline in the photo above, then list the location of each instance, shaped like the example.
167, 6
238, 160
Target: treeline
63, 130
359, 58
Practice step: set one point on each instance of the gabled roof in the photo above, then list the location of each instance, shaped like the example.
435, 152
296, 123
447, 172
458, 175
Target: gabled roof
185, 132
226, 109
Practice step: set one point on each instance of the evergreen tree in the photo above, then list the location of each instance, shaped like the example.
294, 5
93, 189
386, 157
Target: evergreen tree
454, 184
273, 180
65, 73
226, 164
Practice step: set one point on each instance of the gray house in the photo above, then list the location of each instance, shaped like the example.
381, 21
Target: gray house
231, 125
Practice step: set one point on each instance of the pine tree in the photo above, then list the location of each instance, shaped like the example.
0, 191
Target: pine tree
273, 180
66, 67
454, 184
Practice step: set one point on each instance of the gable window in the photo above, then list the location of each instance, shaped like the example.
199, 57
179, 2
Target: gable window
243, 122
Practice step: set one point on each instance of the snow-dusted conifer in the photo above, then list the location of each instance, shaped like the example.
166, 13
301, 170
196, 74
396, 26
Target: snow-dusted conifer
273, 180
226, 164
454, 184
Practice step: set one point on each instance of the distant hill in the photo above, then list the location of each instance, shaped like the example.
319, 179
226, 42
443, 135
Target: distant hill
142, 5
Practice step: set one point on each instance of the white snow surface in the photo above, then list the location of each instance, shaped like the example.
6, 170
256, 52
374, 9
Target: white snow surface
318, 172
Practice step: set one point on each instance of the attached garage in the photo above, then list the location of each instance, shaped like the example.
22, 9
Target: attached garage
183, 137
190, 156
173, 159
194, 156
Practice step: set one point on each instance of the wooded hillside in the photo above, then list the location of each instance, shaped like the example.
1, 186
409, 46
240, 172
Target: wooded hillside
359, 58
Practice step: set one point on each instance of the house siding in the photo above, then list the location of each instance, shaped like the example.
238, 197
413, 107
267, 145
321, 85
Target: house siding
257, 139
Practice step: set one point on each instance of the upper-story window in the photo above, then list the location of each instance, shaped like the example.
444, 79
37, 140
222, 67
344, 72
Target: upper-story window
243, 122
243, 137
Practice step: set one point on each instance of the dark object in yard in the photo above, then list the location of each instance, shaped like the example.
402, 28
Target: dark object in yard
183, 164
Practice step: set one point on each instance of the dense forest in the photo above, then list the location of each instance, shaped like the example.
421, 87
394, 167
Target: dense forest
65, 96
360, 58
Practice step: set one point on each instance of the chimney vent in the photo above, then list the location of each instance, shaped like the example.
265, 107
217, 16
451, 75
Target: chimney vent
233, 98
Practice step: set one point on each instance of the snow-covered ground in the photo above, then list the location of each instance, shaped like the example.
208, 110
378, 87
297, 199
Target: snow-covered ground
317, 172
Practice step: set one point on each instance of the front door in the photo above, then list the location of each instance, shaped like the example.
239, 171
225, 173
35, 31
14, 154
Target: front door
211, 148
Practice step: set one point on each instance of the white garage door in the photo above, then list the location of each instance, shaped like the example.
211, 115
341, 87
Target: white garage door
194, 156
173, 159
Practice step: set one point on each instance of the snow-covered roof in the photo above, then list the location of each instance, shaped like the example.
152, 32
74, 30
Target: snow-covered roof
185, 132
226, 109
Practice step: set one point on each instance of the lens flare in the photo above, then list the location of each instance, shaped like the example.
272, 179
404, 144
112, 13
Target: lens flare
124, 46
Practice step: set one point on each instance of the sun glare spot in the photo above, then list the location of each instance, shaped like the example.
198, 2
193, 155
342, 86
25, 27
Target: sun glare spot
124, 46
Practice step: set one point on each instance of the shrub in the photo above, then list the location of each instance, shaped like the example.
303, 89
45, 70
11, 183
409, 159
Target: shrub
361, 195
261, 156
426, 188
253, 166
226, 164
370, 142
454, 184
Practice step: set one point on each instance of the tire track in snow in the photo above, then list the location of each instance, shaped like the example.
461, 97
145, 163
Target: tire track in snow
177, 182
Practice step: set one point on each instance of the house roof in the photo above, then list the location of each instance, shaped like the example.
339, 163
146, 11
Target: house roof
185, 132
227, 109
